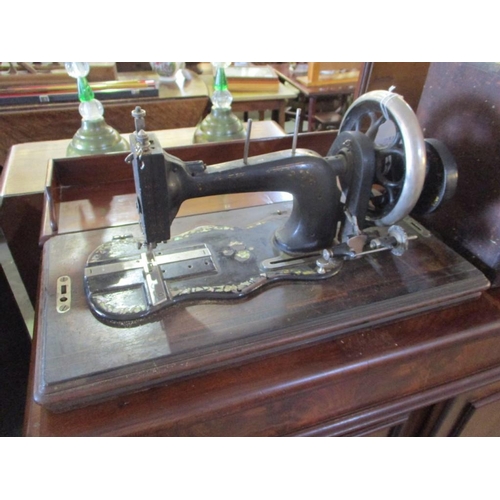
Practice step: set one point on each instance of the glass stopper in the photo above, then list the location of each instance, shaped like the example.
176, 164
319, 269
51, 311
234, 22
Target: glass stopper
85, 92
221, 97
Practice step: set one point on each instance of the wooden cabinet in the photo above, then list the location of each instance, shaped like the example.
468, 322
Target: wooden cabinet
479, 417
435, 374
475, 413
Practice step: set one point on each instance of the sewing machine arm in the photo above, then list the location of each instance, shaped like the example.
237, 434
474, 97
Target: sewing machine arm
164, 182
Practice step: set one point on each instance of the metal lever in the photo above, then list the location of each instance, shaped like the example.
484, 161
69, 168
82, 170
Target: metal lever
247, 142
396, 241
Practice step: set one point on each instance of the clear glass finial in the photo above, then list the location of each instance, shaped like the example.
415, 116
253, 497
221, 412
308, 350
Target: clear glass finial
77, 69
90, 108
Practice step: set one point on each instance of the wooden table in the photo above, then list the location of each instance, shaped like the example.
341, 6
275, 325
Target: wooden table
265, 101
246, 102
311, 94
437, 373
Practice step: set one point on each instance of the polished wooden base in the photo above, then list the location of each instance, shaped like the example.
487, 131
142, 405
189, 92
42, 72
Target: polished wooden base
433, 374
80, 360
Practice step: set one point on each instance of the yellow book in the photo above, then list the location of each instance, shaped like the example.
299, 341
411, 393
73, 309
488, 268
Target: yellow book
252, 79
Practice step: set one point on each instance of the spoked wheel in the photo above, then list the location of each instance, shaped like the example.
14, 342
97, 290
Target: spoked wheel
390, 123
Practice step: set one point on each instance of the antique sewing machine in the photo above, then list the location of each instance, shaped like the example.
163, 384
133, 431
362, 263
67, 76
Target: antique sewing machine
130, 279
171, 297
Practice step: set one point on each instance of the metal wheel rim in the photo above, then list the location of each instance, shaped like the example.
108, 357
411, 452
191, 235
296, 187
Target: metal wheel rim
394, 107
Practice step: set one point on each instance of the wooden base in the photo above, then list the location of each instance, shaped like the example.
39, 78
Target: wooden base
80, 361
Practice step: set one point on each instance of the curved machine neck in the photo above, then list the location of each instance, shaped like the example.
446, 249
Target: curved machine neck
163, 182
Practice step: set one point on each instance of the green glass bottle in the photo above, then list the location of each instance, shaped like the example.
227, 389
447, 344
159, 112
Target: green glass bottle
95, 136
221, 124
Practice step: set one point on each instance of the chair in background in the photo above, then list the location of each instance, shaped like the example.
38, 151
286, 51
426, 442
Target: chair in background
329, 115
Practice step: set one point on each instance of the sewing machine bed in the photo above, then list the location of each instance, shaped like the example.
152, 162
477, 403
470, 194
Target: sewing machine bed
80, 360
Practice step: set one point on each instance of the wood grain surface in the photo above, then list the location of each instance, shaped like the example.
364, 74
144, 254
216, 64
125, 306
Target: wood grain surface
82, 360
337, 386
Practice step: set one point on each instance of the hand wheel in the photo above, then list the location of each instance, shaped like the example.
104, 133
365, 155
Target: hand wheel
400, 171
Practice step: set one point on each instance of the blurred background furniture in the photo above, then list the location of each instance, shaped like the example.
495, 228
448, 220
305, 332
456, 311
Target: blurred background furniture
257, 99
324, 82
460, 105
324, 98
275, 102
181, 103
26, 74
